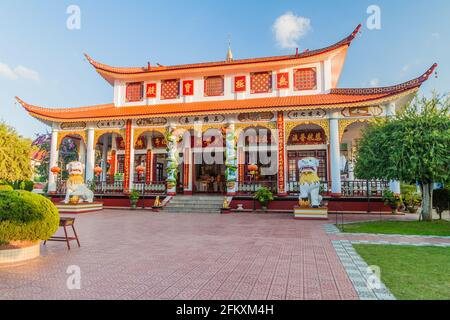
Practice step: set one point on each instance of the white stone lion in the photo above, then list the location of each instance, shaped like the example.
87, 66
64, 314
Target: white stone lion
75, 184
309, 182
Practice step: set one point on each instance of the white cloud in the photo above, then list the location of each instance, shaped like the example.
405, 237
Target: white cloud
374, 82
7, 72
405, 68
18, 72
436, 35
26, 73
289, 29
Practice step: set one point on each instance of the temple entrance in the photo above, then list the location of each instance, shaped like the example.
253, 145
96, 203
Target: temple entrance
210, 178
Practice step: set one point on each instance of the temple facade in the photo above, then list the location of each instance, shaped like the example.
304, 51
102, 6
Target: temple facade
226, 127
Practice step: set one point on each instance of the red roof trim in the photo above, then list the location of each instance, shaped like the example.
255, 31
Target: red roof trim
149, 69
417, 82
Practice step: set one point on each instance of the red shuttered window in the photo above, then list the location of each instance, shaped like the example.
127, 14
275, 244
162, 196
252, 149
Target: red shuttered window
305, 79
170, 89
214, 86
261, 82
135, 91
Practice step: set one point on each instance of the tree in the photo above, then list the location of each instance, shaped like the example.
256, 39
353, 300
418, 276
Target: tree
412, 147
14, 155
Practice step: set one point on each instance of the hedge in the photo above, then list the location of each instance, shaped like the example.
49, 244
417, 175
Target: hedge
25, 216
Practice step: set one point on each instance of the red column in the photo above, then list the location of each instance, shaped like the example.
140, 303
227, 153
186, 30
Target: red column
241, 164
186, 159
281, 151
149, 167
112, 168
126, 166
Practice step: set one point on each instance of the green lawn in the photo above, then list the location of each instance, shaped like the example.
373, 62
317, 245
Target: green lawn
411, 273
435, 228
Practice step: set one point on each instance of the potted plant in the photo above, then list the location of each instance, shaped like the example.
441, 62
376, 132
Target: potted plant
393, 200
25, 219
134, 197
263, 195
412, 202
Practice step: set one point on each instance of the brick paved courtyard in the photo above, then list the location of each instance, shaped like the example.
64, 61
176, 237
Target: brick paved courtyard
143, 255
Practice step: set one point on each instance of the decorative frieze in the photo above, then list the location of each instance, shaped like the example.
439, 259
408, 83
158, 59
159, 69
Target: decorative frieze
306, 114
218, 118
252, 117
151, 122
110, 124
73, 125
362, 112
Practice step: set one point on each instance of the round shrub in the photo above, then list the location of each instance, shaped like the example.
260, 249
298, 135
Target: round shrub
25, 216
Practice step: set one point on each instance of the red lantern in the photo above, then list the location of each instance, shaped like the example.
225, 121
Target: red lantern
140, 169
252, 168
98, 170
55, 170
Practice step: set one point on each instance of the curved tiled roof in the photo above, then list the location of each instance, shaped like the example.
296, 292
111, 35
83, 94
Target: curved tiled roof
150, 69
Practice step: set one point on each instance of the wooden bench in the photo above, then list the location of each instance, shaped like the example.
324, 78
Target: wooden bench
64, 223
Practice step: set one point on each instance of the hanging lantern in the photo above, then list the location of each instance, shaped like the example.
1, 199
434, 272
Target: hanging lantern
55, 170
98, 170
140, 169
252, 168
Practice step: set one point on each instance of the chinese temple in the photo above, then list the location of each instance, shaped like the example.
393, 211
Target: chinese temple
209, 128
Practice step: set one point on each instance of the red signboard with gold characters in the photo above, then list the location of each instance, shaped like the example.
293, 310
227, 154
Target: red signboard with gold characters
308, 137
151, 90
283, 80
239, 84
188, 87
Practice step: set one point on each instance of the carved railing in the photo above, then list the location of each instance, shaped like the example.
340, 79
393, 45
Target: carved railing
250, 187
294, 188
364, 188
117, 187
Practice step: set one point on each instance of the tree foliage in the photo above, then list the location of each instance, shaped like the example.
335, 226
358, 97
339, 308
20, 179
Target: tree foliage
14, 155
411, 147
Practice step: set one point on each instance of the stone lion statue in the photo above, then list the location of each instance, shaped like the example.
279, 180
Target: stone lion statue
309, 182
75, 184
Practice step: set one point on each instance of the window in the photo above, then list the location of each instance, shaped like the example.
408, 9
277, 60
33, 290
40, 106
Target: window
305, 79
295, 156
214, 86
135, 91
170, 89
261, 82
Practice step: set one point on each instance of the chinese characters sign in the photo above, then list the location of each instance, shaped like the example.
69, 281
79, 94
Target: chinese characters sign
307, 137
188, 87
151, 90
283, 80
239, 84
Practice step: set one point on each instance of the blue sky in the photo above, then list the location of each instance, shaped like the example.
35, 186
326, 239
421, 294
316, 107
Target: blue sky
42, 61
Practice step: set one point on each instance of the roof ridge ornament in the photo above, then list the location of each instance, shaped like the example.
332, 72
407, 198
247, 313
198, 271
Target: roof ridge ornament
229, 53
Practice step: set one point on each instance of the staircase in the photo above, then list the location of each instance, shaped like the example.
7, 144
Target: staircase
195, 204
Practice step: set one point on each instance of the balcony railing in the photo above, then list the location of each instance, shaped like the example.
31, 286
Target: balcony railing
250, 187
117, 187
154, 187
364, 188
294, 187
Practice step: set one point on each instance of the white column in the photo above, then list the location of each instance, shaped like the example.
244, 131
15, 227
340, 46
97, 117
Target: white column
104, 156
53, 161
335, 154
82, 153
131, 172
90, 155
394, 186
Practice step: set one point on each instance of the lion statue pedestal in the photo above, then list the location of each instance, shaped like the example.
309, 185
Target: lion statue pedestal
310, 199
79, 198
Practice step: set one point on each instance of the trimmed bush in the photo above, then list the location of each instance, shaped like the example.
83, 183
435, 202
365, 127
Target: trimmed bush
6, 187
25, 216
